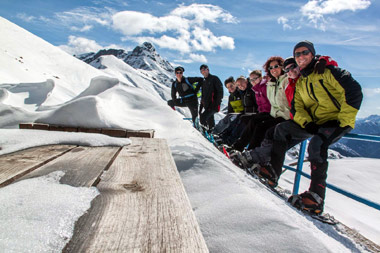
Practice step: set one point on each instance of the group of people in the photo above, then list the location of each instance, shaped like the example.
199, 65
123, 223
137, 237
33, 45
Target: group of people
303, 96
188, 90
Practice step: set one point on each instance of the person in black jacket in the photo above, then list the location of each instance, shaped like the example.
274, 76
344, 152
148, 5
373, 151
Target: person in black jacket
212, 95
187, 92
235, 109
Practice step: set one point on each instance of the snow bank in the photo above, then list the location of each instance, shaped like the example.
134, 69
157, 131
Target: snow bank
35, 209
12, 140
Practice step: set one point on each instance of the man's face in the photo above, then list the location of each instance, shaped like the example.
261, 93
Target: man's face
205, 72
231, 87
179, 74
292, 70
303, 57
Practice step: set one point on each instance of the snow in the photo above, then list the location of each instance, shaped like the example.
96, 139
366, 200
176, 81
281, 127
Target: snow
38, 214
234, 211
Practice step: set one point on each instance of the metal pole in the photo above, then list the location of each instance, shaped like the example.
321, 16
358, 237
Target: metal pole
297, 177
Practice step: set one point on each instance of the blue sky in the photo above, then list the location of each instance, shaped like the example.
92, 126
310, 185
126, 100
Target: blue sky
231, 37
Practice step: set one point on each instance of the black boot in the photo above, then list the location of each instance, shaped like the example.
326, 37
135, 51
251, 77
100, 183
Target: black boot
278, 156
318, 178
308, 201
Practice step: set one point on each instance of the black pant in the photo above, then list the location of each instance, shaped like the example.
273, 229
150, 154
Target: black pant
255, 131
207, 118
289, 133
192, 104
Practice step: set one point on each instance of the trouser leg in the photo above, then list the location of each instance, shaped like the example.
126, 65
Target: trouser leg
318, 153
286, 135
207, 118
260, 130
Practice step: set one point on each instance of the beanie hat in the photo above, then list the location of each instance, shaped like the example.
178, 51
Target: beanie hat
306, 44
179, 68
289, 60
203, 66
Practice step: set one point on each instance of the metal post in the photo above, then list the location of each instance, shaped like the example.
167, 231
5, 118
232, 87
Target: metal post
297, 177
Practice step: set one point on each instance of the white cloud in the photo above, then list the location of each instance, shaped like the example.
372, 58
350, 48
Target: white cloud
205, 40
199, 13
370, 92
315, 10
284, 21
85, 16
25, 17
183, 29
79, 45
198, 58
85, 28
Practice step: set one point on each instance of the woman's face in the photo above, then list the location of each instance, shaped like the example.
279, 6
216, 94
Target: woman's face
242, 84
275, 69
254, 79
292, 70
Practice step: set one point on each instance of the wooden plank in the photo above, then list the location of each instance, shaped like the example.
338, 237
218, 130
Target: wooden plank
89, 130
82, 166
142, 133
26, 126
142, 206
15, 165
114, 132
40, 126
63, 128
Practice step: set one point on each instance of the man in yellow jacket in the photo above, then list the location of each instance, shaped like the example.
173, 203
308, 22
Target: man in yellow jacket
324, 109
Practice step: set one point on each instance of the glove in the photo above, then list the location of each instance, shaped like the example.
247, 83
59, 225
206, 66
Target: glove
320, 66
337, 134
171, 103
312, 128
200, 108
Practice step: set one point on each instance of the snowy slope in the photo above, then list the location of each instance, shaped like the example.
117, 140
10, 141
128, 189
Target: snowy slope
31, 61
235, 212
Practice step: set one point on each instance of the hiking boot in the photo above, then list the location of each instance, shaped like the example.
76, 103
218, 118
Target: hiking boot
226, 147
266, 172
235, 157
307, 201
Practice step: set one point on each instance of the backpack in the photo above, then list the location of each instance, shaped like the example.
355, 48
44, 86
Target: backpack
193, 86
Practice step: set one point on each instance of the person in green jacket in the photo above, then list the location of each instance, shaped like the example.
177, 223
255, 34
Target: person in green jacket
324, 109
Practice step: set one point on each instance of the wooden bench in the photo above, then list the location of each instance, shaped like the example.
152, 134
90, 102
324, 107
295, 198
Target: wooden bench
142, 205
114, 132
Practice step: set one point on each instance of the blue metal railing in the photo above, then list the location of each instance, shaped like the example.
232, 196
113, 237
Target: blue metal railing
299, 172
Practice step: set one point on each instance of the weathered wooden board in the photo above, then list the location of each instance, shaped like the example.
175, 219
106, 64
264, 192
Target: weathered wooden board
82, 165
142, 206
114, 132
15, 165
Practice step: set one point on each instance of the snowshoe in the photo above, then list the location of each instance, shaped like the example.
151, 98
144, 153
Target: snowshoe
307, 201
266, 174
235, 157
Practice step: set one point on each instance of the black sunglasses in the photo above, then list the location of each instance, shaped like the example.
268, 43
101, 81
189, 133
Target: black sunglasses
179, 72
293, 66
273, 67
253, 79
304, 52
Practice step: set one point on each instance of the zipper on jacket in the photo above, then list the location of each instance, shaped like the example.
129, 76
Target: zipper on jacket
333, 99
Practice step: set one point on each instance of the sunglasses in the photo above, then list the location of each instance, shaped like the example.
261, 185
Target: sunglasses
304, 52
253, 79
179, 72
293, 66
204, 69
273, 67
